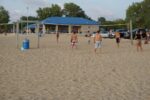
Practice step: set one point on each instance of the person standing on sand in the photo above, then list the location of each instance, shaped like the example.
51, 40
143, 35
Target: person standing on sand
117, 36
74, 40
89, 37
97, 40
148, 35
138, 37
57, 37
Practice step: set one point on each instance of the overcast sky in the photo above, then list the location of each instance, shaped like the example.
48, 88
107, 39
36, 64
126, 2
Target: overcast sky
110, 9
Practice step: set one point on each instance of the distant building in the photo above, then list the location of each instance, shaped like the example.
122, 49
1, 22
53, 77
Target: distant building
68, 24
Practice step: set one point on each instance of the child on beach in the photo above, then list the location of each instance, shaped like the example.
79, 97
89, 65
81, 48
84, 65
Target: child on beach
74, 40
117, 36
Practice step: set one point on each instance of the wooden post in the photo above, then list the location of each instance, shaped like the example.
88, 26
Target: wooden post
56, 29
38, 35
43, 29
21, 28
14, 28
131, 33
69, 30
17, 34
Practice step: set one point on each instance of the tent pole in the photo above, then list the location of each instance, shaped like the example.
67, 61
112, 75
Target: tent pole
38, 36
131, 34
17, 34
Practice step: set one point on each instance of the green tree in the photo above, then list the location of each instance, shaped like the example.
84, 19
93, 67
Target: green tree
146, 13
73, 10
120, 21
134, 13
4, 15
101, 20
29, 18
139, 13
112, 24
54, 10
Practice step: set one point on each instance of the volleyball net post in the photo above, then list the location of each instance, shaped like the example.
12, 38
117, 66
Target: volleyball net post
131, 33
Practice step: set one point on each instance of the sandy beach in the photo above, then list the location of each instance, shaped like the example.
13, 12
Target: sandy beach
56, 72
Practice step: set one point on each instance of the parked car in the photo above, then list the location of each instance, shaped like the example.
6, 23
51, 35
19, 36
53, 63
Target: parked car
111, 34
127, 35
134, 32
88, 35
93, 34
122, 32
105, 34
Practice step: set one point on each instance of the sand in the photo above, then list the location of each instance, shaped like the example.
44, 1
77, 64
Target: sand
56, 72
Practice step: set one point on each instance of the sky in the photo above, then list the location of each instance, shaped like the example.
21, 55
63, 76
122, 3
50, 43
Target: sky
110, 9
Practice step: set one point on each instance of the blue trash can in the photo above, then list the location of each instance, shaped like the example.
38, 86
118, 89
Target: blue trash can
26, 43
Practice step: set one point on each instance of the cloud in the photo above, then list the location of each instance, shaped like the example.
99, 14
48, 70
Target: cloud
61, 5
15, 15
95, 12
39, 3
33, 5
1, 1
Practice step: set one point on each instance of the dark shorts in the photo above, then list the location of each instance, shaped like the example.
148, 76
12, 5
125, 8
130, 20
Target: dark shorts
117, 40
139, 42
57, 35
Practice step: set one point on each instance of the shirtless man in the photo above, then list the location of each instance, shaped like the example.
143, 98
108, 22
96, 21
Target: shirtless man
117, 36
97, 40
74, 40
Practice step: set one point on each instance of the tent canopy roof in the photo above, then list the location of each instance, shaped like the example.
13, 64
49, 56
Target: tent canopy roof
68, 21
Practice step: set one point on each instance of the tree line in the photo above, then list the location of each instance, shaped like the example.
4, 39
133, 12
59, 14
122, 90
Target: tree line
70, 10
139, 13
